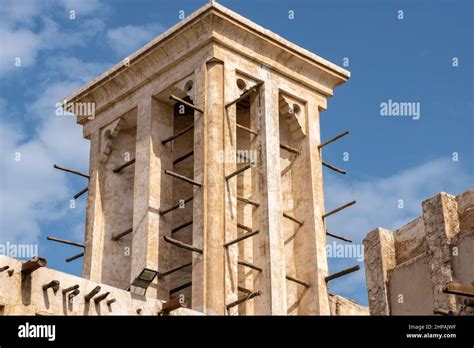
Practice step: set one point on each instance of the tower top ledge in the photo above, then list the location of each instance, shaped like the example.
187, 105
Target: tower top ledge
212, 23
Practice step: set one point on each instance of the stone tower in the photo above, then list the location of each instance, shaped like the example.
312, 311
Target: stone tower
205, 166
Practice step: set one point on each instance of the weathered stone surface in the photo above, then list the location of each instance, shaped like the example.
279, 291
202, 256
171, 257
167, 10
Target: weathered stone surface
410, 288
410, 240
22, 296
430, 252
379, 258
342, 306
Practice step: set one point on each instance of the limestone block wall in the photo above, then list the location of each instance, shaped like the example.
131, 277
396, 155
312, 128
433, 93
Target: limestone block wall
407, 269
23, 295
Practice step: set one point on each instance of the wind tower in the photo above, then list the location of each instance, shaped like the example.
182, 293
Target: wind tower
206, 169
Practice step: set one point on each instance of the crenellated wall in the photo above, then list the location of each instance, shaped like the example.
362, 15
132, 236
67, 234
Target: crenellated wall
408, 269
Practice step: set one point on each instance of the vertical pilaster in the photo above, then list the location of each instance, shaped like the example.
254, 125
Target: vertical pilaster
379, 255
208, 204
269, 249
230, 202
441, 219
94, 238
310, 240
151, 190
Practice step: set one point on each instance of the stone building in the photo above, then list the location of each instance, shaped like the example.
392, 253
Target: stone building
205, 178
427, 266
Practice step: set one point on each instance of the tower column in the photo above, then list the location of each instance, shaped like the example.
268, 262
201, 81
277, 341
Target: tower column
310, 255
269, 247
208, 203
230, 202
152, 189
94, 237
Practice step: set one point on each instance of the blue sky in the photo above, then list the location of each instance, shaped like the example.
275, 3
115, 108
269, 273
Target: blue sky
390, 158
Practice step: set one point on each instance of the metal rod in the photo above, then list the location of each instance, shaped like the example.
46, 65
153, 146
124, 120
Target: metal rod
4, 268
182, 245
71, 288
289, 149
443, 312
72, 258
299, 281
342, 273
32, 265
192, 106
72, 171
333, 139
101, 297
91, 294
180, 133
249, 265
248, 201
241, 238
246, 129
164, 274
469, 302
293, 219
80, 193
243, 299
122, 234
176, 206
244, 290
181, 177
336, 169
112, 300
243, 227
459, 289
180, 227
59, 240
173, 304
238, 171
339, 209
338, 237
183, 157
54, 284
244, 95
125, 165
73, 294
181, 287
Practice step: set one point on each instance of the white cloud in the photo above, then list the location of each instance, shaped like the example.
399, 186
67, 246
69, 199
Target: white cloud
377, 198
74, 69
377, 206
32, 191
125, 40
23, 12
26, 186
22, 43
34, 194
82, 7
26, 29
